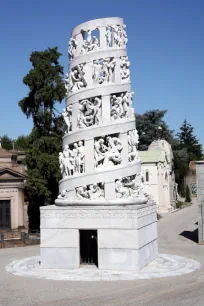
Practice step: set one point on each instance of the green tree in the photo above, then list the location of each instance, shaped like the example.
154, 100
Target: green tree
151, 126
21, 143
45, 81
189, 141
6, 142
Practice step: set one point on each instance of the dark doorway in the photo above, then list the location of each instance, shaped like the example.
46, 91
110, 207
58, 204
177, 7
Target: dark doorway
88, 247
5, 214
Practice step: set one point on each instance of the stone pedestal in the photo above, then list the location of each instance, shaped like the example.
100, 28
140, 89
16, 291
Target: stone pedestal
127, 235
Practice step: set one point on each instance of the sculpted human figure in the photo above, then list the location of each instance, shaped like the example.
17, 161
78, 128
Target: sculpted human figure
113, 155
108, 69
97, 110
125, 39
121, 190
61, 162
99, 151
62, 195
82, 193
84, 47
67, 82
89, 44
68, 161
117, 107
96, 72
133, 141
67, 115
115, 35
134, 187
109, 36
89, 112
94, 45
124, 68
95, 192
76, 158
77, 80
72, 47
81, 157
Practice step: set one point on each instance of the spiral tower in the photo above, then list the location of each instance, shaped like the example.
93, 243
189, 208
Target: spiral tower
99, 161
101, 215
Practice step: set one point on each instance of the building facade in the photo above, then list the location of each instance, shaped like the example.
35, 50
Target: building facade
158, 175
12, 183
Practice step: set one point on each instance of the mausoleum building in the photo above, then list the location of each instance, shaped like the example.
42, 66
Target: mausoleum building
12, 183
158, 175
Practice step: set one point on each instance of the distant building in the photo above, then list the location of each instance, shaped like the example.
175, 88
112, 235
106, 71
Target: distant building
13, 211
190, 179
159, 178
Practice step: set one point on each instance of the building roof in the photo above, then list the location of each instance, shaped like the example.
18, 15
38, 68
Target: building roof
4, 153
153, 156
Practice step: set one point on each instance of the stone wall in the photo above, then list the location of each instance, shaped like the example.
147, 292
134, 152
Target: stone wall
200, 199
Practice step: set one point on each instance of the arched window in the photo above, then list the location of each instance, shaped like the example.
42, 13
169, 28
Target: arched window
147, 176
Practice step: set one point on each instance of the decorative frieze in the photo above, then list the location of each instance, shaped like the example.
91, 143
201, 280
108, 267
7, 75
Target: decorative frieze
98, 213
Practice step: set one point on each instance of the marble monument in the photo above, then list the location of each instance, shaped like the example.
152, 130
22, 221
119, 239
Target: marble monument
101, 215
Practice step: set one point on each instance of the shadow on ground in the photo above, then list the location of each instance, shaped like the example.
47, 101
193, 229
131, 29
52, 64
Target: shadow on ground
191, 235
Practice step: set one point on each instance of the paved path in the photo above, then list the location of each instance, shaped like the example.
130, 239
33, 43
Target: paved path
185, 290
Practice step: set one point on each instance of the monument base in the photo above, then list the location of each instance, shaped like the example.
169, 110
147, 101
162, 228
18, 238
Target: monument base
114, 238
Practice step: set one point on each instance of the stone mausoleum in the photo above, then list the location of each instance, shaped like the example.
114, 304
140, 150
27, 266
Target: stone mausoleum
13, 209
101, 215
158, 175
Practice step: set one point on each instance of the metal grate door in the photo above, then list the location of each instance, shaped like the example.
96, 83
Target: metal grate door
5, 214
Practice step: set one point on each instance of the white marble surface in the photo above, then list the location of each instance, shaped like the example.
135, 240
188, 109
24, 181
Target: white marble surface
163, 266
59, 258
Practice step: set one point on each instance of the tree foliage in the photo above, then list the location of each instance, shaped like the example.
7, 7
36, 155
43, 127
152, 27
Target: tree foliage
189, 141
45, 82
6, 142
46, 85
151, 126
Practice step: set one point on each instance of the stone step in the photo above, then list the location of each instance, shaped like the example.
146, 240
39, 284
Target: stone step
12, 243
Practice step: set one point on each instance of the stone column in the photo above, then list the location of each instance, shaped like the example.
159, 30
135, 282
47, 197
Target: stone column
89, 155
103, 44
74, 116
106, 109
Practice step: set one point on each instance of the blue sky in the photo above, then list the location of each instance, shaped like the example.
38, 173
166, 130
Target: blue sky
165, 48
